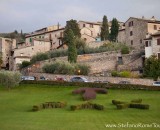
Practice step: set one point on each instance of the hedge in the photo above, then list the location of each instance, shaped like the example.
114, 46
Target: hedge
49, 105
87, 105
90, 84
139, 106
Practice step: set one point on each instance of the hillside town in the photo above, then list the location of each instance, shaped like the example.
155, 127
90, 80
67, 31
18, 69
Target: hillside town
142, 34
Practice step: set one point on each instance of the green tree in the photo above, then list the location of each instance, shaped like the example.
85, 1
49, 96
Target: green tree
24, 64
152, 67
114, 30
73, 25
104, 29
72, 51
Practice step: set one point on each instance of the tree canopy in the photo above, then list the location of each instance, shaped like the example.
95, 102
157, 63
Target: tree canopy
114, 30
72, 51
152, 67
104, 29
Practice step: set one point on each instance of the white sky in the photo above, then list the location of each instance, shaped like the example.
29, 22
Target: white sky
30, 15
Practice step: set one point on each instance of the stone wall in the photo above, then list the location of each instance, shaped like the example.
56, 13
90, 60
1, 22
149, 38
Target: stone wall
99, 62
98, 78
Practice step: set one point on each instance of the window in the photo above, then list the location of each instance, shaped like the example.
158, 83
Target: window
30, 39
84, 25
91, 25
130, 24
140, 40
146, 43
149, 43
131, 33
158, 41
155, 27
131, 42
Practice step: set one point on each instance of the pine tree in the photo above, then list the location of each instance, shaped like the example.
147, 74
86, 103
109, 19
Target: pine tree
104, 29
114, 30
73, 25
72, 51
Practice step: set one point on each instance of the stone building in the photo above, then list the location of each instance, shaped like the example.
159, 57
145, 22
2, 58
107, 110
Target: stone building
152, 45
136, 29
90, 31
6, 47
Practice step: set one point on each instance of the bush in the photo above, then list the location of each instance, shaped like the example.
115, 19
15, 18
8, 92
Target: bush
125, 49
122, 106
114, 74
125, 74
47, 105
66, 68
87, 105
115, 102
139, 106
39, 57
58, 53
10, 79
24, 64
136, 101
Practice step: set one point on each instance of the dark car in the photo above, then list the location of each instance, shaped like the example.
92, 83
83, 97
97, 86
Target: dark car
42, 78
78, 79
124, 82
60, 79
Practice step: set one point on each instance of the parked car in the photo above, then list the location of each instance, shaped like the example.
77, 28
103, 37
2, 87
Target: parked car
98, 81
28, 78
78, 79
42, 78
156, 83
61, 79
124, 82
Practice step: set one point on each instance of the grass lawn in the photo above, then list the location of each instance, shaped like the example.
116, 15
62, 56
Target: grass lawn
16, 105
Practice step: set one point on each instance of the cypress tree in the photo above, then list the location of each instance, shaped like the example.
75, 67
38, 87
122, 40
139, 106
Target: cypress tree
114, 30
72, 51
73, 25
104, 29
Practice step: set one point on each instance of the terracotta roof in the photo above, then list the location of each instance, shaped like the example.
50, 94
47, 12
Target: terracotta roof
31, 35
147, 20
96, 23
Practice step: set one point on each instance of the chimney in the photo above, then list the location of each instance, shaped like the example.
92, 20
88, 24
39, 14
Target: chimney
153, 18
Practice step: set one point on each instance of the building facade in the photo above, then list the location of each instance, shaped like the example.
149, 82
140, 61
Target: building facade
136, 29
152, 45
6, 47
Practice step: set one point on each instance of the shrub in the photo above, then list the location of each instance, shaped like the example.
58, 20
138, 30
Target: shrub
87, 105
114, 73
89, 93
10, 79
125, 74
122, 106
66, 68
58, 53
115, 102
39, 57
49, 105
136, 101
125, 49
24, 64
139, 106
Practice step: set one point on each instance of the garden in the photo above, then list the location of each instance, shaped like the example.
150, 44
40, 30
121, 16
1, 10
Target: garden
17, 109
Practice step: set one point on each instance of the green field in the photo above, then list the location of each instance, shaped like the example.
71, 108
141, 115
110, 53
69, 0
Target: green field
16, 105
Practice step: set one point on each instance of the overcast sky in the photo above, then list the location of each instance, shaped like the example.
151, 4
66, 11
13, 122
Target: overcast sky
30, 15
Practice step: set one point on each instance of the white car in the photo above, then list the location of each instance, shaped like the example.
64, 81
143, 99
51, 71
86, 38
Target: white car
156, 83
28, 78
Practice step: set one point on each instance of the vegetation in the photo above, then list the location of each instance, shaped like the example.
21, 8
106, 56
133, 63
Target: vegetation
104, 29
66, 68
125, 49
126, 74
9, 79
114, 30
17, 104
39, 57
24, 64
73, 25
20, 37
152, 67
58, 53
72, 51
